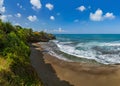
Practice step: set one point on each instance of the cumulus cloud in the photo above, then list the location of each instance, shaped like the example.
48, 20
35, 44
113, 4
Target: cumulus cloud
18, 15
3, 17
109, 15
36, 4
98, 15
32, 18
81, 8
52, 17
49, 6
2, 8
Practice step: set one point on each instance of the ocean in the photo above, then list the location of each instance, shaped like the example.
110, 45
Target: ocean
101, 48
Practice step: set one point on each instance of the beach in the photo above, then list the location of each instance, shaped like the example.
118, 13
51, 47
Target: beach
56, 72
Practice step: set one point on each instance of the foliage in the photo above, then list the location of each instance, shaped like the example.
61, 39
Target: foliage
16, 69
41, 36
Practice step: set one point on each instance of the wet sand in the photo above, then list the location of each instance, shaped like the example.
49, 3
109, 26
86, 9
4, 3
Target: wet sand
56, 72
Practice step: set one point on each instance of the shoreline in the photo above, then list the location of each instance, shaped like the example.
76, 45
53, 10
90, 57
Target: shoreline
74, 73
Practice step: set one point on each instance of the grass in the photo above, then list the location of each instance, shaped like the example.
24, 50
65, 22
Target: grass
15, 66
17, 73
4, 65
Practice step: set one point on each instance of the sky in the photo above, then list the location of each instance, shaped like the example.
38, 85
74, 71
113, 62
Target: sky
64, 16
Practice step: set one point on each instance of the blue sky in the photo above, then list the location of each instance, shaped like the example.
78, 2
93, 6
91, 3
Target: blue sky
68, 16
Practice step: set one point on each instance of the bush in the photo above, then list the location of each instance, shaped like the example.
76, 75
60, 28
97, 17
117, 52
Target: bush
16, 52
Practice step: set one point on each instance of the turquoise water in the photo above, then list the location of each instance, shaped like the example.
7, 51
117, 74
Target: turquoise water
103, 48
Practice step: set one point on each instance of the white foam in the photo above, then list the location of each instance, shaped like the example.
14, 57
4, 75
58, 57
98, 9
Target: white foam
111, 44
59, 56
91, 54
72, 51
99, 44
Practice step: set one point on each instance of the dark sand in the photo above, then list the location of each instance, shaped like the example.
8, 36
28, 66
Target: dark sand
55, 72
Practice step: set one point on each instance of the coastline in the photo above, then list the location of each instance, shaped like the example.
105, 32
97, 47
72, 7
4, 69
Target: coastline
56, 72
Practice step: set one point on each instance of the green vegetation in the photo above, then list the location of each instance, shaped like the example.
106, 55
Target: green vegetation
15, 67
41, 36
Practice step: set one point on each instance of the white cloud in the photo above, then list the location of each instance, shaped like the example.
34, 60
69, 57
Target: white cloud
98, 15
32, 18
81, 8
20, 6
109, 15
52, 17
49, 6
2, 8
18, 15
36, 4
3, 17
59, 30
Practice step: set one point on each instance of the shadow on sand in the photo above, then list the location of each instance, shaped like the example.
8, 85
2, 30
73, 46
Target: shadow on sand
45, 70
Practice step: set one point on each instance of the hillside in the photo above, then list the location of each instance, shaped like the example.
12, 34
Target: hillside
15, 66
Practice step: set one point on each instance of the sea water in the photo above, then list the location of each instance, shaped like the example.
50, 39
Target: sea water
103, 48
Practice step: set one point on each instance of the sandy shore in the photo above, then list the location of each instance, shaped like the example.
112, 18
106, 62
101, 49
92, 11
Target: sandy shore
56, 72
